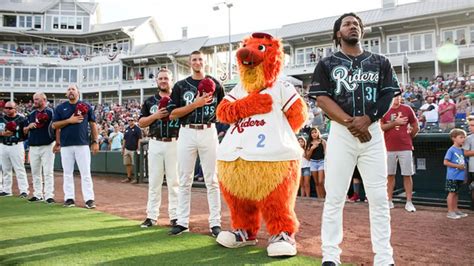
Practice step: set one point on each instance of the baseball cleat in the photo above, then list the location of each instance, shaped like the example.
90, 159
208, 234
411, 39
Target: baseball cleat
281, 245
236, 239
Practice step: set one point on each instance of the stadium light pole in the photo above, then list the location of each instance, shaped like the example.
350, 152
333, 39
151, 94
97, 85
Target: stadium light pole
216, 8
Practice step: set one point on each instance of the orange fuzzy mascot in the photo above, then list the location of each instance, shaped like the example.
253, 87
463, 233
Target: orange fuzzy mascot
258, 159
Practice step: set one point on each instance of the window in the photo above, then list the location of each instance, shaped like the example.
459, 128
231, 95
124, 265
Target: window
37, 23
110, 73
8, 74
57, 75
104, 73
428, 41
78, 23
67, 23
96, 74
42, 75
17, 75
393, 44
372, 45
300, 57
404, 43
70, 23
55, 23
50, 75
24, 74
63, 23
32, 75
472, 34
73, 76
309, 55
456, 36
9, 21
66, 75
29, 22
417, 42
21, 21
116, 72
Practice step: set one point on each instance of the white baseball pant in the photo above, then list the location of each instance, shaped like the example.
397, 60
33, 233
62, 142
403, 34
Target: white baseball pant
13, 158
190, 143
371, 159
162, 158
42, 163
82, 156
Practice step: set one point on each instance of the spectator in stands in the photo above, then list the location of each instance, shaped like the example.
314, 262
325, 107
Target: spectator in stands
469, 152
454, 162
312, 57
116, 139
430, 111
305, 170
318, 117
463, 106
400, 126
315, 150
131, 138
104, 140
447, 113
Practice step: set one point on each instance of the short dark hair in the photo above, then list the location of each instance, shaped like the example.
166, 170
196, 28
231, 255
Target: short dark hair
195, 52
337, 26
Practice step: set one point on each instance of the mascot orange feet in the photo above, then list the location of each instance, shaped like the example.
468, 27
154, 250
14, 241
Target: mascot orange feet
258, 159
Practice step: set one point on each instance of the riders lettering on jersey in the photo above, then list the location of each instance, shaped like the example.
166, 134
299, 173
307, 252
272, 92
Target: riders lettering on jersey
243, 123
350, 79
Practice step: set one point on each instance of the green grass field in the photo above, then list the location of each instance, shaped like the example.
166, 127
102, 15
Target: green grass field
35, 233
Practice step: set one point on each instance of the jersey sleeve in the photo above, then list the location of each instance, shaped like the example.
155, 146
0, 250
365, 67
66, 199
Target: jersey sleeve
389, 80
289, 95
57, 114
321, 84
219, 91
91, 114
145, 111
175, 97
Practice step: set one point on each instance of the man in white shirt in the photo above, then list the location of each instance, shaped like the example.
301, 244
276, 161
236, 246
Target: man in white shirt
430, 110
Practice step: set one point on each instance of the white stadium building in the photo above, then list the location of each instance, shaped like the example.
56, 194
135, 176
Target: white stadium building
47, 44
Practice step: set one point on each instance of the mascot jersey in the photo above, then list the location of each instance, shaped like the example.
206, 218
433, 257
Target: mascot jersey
257, 138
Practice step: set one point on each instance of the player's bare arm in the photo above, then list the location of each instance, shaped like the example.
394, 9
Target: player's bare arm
95, 137
200, 101
399, 121
415, 128
453, 165
148, 120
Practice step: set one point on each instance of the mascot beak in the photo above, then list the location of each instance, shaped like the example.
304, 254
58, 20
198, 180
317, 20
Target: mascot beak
249, 57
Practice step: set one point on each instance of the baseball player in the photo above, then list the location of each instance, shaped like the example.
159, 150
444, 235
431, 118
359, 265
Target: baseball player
197, 112
162, 150
13, 151
355, 89
41, 141
73, 118
2, 128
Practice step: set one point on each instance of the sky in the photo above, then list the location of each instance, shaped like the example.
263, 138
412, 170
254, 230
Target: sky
246, 15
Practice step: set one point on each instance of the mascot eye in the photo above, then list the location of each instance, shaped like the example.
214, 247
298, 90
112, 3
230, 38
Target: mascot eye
261, 48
